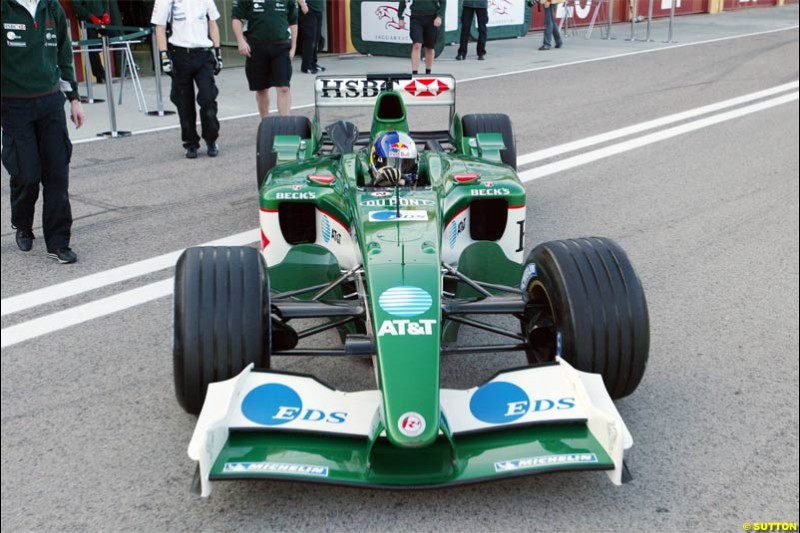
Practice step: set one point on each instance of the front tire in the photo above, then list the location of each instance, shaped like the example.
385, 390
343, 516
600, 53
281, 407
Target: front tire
266, 158
493, 123
586, 304
221, 319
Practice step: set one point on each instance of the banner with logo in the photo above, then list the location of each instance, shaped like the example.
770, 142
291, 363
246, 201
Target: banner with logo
375, 28
507, 19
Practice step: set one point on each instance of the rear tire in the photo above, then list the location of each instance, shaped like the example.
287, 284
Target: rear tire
493, 123
586, 303
221, 319
267, 130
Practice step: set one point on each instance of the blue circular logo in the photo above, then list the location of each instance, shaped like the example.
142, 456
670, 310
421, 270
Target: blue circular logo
405, 301
499, 402
272, 405
384, 215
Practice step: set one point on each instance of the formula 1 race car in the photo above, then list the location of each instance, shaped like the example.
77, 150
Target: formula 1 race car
396, 239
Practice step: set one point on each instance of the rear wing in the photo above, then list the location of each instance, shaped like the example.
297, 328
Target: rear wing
363, 90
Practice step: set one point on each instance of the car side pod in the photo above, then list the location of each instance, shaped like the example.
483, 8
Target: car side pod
277, 425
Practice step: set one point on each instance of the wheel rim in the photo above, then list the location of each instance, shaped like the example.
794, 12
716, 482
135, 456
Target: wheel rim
540, 326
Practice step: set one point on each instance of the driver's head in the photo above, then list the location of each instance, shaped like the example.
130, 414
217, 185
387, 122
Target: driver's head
394, 150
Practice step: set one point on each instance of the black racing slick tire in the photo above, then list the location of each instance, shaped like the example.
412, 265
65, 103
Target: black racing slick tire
493, 123
221, 318
586, 304
267, 130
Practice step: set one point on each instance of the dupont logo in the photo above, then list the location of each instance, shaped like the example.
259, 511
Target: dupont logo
426, 87
411, 424
405, 301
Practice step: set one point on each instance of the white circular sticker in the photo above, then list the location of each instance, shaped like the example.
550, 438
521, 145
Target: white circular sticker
411, 424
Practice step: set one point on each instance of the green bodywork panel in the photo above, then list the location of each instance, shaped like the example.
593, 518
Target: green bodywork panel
398, 254
473, 457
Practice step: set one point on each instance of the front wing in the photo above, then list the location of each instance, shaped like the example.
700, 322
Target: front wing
267, 424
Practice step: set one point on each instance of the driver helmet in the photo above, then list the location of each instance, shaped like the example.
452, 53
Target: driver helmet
395, 149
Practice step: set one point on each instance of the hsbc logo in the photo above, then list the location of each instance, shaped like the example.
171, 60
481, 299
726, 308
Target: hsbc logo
426, 87
351, 88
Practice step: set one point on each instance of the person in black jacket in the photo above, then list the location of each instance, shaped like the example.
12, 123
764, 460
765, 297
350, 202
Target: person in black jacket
37, 72
479, 9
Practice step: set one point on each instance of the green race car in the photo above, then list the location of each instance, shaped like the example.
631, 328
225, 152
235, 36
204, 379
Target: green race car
396, 239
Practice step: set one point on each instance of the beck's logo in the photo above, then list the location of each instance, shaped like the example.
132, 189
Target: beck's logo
426, 87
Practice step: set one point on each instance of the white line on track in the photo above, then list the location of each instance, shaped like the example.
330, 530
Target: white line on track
547, 153
614, 149
504, 74
125, 300
77, 286
83, 313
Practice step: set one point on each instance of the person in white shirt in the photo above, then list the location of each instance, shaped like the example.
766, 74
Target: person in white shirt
190, 59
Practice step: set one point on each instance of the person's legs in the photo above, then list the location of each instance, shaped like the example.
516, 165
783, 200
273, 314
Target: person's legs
262, 100
207, 96
182, 95
318, 20
309, 39
466, 24
429, 35
280, 76
21, 159
94, 58
416, 50
556, 31
548, 26
284, 101
483, 19
55, 151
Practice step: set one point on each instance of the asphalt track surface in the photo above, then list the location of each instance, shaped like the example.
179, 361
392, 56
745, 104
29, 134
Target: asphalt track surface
92, 438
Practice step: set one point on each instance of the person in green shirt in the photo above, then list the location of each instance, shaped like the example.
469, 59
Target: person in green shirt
268, 43
426, 19
37, 72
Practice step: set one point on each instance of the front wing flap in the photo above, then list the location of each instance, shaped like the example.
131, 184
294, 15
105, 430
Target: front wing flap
266, 424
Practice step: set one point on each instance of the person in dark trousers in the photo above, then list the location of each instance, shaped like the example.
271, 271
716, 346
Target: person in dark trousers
310, 33
37, 72
426, 19
551, 25
190, 59
479, 9
94, 12
269, 45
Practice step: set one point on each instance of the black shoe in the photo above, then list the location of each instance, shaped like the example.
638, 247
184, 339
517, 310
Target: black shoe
63, 255
100, 81
319, 68
559, 45
544, 47
25, 239
213, 150
461, 57
191, 152
482, 58
309, 70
